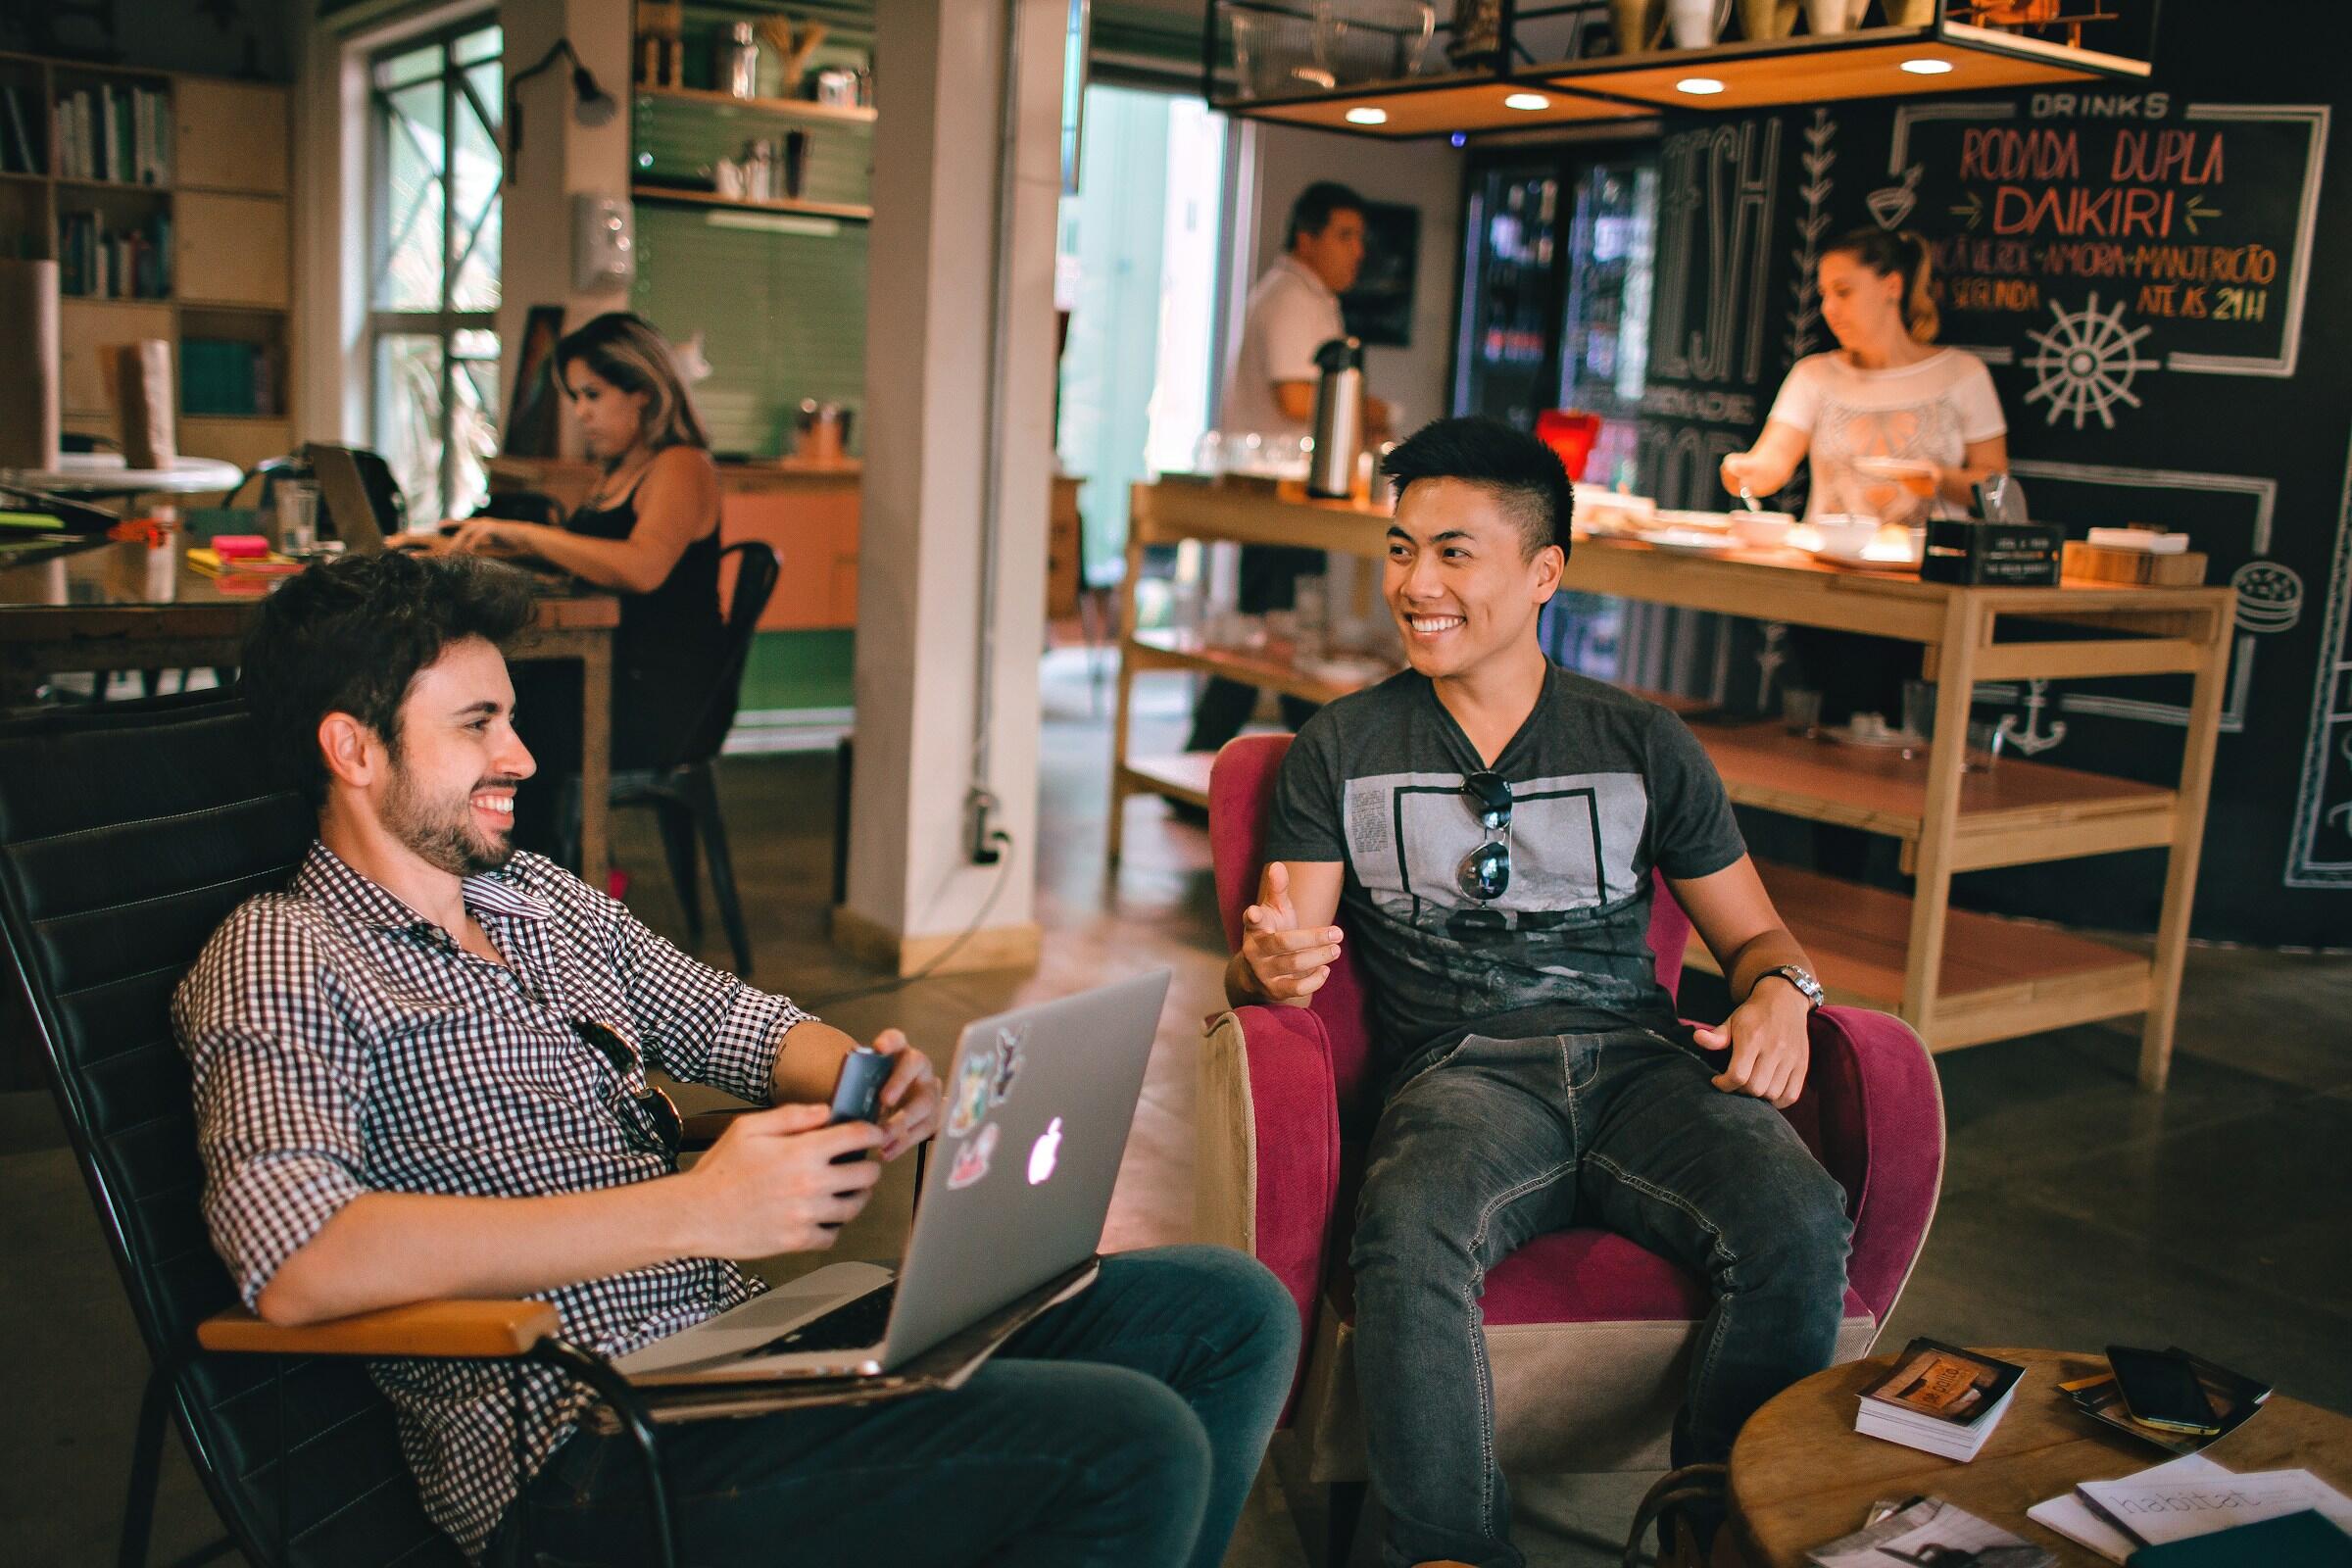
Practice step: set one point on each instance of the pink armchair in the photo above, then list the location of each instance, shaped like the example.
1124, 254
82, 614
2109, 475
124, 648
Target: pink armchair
1588, 1333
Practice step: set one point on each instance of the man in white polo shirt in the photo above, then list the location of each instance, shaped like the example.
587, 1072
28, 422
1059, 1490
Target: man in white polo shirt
1269, 392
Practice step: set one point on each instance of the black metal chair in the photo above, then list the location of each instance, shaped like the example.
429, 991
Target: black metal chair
126, 835
684, 794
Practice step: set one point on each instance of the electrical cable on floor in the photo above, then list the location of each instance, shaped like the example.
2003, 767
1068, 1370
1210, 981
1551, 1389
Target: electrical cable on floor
1004, 843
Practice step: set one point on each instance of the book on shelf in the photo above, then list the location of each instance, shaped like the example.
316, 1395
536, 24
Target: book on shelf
1925, 1531
1940, 1399
113, 133
17, 153
2233, 1395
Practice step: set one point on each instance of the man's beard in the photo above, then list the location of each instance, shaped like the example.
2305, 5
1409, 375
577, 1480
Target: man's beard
444, 835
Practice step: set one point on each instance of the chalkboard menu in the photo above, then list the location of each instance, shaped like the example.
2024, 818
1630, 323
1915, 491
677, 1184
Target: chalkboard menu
2100, 236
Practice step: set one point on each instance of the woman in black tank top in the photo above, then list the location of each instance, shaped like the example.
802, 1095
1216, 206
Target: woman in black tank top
650, 529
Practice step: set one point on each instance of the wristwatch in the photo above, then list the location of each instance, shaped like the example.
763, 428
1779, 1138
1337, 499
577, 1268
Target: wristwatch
1797, 977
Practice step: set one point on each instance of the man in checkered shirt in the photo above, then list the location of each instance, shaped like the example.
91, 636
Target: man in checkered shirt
419, 1074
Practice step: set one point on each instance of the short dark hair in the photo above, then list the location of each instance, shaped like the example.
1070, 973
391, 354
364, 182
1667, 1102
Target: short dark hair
1521, 471
1311, 213
350, 637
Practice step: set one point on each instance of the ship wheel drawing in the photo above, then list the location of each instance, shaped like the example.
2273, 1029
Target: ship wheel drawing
2085, 363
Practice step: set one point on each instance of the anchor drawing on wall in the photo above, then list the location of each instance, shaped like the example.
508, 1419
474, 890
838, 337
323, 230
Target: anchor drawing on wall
1769, 660
2030, 738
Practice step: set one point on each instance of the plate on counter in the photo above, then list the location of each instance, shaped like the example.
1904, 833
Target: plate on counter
1689, 541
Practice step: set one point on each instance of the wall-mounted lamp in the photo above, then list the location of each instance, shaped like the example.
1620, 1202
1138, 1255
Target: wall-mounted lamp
592, 106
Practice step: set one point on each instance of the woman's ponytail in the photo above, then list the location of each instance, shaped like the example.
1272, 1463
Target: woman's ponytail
1920, 314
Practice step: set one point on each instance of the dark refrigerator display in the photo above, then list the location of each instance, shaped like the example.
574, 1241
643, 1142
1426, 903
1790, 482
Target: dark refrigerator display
1604, 332
1507, 361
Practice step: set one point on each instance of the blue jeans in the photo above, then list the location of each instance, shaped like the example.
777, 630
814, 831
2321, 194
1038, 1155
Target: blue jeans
1121, 1428
1500, 1141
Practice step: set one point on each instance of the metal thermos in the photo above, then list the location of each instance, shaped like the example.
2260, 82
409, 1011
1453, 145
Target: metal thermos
735, 63
1339, 419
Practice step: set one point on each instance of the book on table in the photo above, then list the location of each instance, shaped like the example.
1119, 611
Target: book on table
1940, 1399
2183, 1500
2306, 1540
1931, 1531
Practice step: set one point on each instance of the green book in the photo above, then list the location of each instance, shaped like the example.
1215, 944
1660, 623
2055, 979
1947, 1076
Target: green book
2306, 1540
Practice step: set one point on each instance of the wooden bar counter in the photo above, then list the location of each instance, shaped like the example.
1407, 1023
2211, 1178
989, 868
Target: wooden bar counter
1959, 978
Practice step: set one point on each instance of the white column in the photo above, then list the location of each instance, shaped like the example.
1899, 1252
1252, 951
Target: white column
938, 163
560, 156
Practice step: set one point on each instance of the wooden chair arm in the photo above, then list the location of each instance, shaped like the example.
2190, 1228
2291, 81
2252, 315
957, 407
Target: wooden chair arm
474, 1330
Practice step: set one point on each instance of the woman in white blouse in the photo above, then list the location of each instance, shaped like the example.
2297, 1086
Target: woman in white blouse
1886, 393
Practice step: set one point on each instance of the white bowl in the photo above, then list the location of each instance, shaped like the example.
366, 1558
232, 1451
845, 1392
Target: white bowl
1762, 530
1718, 522
1838, 532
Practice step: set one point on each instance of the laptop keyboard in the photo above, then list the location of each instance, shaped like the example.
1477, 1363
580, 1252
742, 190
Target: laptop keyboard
851, 1326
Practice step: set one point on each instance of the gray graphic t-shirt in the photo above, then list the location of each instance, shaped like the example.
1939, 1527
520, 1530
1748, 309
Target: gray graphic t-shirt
1604, 786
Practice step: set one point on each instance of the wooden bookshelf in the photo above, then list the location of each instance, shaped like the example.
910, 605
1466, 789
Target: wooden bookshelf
224, 190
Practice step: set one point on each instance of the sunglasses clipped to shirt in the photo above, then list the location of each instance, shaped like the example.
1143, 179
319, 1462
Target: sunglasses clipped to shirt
1485, 874
652, 1119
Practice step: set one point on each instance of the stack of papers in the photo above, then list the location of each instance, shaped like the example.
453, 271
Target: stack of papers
2181, 1500
1931, 1531
1940, 1399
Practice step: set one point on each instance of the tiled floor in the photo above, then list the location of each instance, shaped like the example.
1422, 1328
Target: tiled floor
2076, 1210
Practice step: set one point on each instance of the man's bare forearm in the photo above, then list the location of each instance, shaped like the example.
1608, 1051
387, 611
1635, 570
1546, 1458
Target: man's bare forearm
1761, 953
809, 1062
390, 1249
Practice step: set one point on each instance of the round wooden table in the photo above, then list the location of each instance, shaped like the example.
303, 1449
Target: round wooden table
1802, 1475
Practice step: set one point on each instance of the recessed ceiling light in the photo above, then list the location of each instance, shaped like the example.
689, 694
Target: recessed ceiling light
1527, 100
1367, 117
1699, 86
1928, 66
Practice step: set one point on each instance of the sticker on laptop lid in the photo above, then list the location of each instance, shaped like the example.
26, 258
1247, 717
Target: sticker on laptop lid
968, 1107
1009, 1060
971, 1160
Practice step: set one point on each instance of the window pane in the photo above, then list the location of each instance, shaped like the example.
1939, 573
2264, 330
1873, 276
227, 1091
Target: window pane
473, 428
411, 254
475, 171
482, 44
415, 65
407, 417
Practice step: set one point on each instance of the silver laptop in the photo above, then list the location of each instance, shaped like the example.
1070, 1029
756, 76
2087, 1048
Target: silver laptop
1039, 1103
349, 507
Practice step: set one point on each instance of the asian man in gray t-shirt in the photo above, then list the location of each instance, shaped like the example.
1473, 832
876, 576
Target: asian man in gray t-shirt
1489, 823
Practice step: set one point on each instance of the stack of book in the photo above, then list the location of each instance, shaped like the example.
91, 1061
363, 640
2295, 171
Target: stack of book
2233, 1394
1940, 1399
2132, 1519
119, 134
97, 261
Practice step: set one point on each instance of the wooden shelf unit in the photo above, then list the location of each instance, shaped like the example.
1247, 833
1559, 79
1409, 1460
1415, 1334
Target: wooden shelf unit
1958, 978
227, 193
843, 212
779, 108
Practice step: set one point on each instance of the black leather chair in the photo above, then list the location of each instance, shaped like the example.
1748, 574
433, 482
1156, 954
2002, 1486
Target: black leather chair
126, 835
684, 795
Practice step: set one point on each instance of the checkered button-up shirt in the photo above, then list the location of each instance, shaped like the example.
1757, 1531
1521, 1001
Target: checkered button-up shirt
343, 1043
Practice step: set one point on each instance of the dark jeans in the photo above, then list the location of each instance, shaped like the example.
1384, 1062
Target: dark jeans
1123, 1427
1503, 1140
1269, 578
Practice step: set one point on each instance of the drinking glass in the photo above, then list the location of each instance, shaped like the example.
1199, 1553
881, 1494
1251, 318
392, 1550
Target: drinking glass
1919, 708
1801, 709
297, 517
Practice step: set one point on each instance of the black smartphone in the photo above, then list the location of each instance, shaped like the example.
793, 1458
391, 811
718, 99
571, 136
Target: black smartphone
2162, 1390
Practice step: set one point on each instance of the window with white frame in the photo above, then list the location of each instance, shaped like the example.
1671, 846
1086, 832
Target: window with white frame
435, 168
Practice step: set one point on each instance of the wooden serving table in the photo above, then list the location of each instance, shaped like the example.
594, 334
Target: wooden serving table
1802, 1475
116, 607
1958, 978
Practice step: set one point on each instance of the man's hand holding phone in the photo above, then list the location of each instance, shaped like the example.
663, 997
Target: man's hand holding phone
771, 1182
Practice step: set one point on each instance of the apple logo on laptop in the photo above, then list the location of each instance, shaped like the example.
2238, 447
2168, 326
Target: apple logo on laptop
1044, 1152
